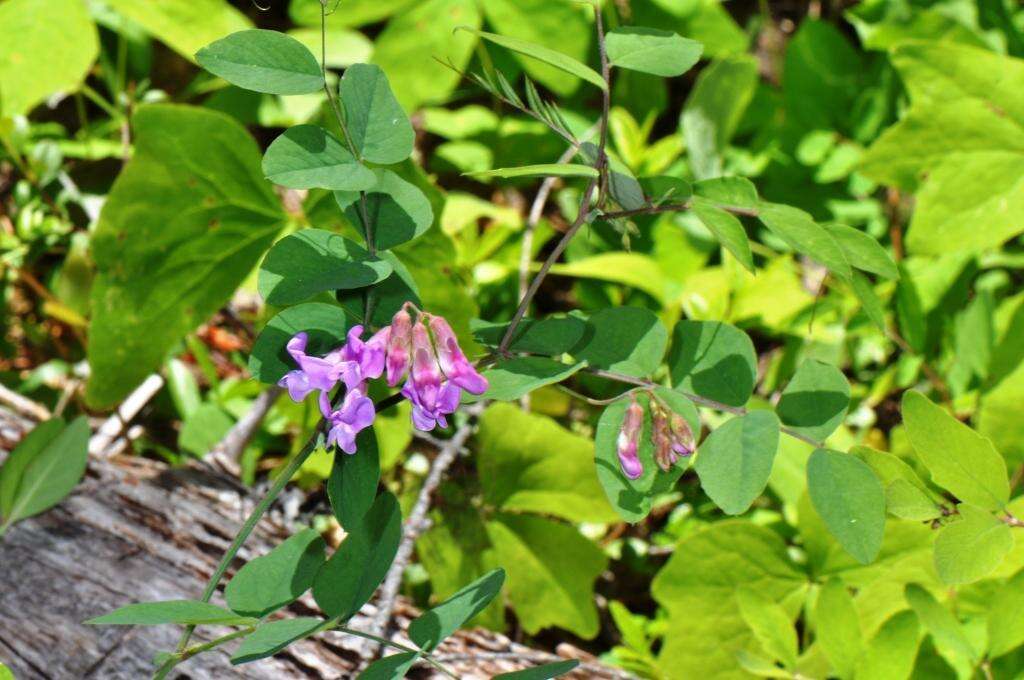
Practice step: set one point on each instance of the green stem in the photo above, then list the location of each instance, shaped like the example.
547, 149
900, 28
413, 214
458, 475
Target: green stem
169, 665
250, 523
389, 643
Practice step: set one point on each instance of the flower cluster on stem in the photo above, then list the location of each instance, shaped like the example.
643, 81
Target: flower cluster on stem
425, 352
671, 436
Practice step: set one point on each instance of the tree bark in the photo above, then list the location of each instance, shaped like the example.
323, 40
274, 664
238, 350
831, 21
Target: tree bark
135, 530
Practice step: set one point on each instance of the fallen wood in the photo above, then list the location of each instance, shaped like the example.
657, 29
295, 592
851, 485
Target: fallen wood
135, 530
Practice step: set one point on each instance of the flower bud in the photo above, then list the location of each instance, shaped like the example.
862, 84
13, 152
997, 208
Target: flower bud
453, 362
661, 436
629, 440
683, 442
399, 343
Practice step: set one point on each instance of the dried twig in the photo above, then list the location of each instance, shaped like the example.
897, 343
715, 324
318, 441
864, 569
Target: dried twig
22, 405
116, 424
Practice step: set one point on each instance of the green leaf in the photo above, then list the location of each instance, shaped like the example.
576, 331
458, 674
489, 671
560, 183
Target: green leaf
1005, 625
698, 587
714, 360
906, 496
549, 56
814, 402
563, 25
837, 628
862, 251
760, 666
649, 50
823, 76
946, 631
629, 269
970, 549
182, 612
891, 653
203, 429
727, 229
551, 572
714, 109
544, 469
42, 471
418, 68
735, 461
183, 25
309, 157
850, 499
772, 627
543, 170
543, 672
28, 449
797, 229
628, 340
433, 626
391, 294
352, 485
732, 192
313, 261
869, 301
959, 459
325, 324
552, 336
39, 58
264, 61
398, 210
5, 673
185, 223
390, 667
379, 128
280, 577
632, 498
350, 577
512, 378
271, 637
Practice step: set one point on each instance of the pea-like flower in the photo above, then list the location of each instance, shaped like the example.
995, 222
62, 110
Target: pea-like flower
356, 413
629, 440
399, 346
453, 361
362, 361
432, 397
314, 373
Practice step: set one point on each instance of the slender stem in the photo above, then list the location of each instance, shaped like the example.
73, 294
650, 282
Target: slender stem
187, 654
252, 520
524, 304
384, 641
697, 399
675, 207
606, 74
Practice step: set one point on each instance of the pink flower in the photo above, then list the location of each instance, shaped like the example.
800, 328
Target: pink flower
362, 361
399, 343
313, 373
453, 362
355, 414
683, 442
629, 440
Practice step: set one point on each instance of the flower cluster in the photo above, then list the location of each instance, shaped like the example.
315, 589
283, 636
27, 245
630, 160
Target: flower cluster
670, 433
426, 351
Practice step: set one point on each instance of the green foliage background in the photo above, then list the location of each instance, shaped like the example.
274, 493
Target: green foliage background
901, 119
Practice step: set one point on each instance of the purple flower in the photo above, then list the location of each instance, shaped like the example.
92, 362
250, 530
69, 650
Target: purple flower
428, 415
356, 413
683, 442
629, 440
313, 373
362, 361
453, 361
399, 343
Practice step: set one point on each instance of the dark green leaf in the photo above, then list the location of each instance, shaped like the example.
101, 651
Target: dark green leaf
267, 583
391, 293
804, 235
545, 672
850, 499
727, 229
435, 625
378, 126
552, 336
628, 340
264, 61
270, 638
348, 579
632, 498
325, 324
735, 460
863, 252
184, 224
390, 667
714, 109
44, 473
398, 210
352, 485
815, 400
512, 378
309, 157
182, 612
313, 261
649, 50
714, 360
560, 61
869, 301
34, 443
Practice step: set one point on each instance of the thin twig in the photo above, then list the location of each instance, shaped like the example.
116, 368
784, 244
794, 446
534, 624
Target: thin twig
22, 405
113, 427
606, 97
417, 523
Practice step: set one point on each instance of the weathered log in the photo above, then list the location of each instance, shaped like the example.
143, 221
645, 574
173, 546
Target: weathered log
135, 530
